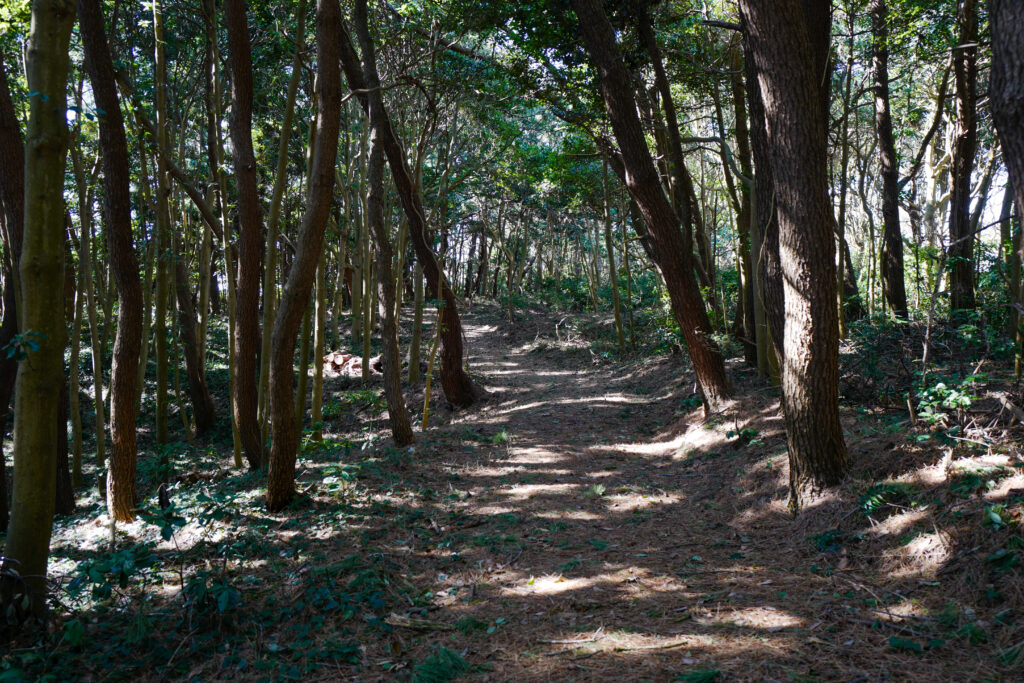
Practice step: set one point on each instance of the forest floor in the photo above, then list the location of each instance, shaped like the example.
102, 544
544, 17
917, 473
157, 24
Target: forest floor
585, 523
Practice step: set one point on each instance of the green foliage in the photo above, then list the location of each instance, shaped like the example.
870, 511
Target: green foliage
442, 666
698, 676
113, 570
888, 493
22, 344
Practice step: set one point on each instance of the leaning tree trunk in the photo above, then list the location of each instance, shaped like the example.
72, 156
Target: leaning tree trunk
671, 249
892, 240
364, 79
780, 38
41, 266
250, 241
117, 201
1006, 88
398, 414
295, 296
960, 256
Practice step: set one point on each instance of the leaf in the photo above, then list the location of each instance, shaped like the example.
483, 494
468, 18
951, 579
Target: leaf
74, 632
898, 643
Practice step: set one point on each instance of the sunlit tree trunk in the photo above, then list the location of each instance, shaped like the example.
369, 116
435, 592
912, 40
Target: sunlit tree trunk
125, 265
782, 39
41, 265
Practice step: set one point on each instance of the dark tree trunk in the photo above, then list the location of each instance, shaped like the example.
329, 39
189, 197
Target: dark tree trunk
783, 41
202, 405
250, 238
64, 498
121, 252
960, 255
398, 413
364, 78
295, 295
892, 240
743, 215
766, 264
672, 250
481, 269
853, 307
1006, 89
12, 198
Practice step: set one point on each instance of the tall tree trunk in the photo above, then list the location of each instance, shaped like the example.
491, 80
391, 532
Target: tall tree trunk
121, 251
965, 142
672, 250
365, 79
12, 203
250, 241
203, 410
295, 296
41, 265
163, 228
273, 221
1006, 89
215, 156
398, 414
892, 239
781, 38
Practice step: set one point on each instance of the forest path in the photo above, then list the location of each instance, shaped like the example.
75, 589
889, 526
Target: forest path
595, 544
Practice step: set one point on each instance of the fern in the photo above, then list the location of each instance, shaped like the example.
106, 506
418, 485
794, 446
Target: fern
440, 667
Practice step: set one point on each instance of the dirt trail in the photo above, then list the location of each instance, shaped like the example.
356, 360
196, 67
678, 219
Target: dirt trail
609, 539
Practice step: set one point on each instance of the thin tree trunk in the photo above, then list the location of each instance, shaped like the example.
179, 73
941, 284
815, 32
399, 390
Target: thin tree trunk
458, 387
125, 265
12, 202
398, 414
273, 221
295, 296
965, 143
320, 335
417, 325
893, 284
671, 247
250, 242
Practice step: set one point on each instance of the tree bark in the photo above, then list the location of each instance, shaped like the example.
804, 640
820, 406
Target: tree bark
892, 240
121, 251
965, 142
398, 414
1006, 89
671, 248
295, 296
250, 241
12, 203
41, 265
203, 410
781, 38
364, 79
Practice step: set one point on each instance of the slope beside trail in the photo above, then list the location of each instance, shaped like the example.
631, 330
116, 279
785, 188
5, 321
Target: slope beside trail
588, 524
